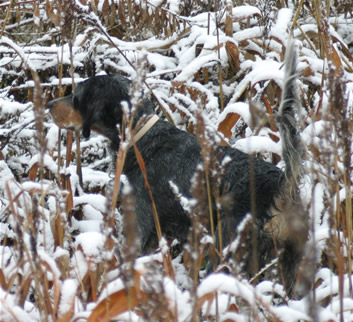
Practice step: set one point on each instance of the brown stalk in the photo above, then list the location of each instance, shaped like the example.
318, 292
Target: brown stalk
93, 284
348, 215
6, 18
220, 73
25, 287
229, 20
77, 133
209, 199
41, 289
78, 158
3, 282
206, 154
120, 160
220, 235
56, 286
307, 38
297, 12
58, 176
167, 260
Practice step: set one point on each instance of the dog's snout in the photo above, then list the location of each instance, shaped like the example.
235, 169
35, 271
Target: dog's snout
63, 113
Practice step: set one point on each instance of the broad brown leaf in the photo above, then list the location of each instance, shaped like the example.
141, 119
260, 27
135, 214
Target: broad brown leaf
119, 302
227, 124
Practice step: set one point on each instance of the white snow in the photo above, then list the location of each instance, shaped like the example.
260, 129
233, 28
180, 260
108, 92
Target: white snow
68, 293
11, 312
282, 23
240, 108
92, 243
176, 69
258, 144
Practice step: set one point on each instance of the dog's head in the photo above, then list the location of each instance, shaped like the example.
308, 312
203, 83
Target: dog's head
95, 104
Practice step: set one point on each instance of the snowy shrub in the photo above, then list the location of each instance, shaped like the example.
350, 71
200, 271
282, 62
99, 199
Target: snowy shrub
213, 68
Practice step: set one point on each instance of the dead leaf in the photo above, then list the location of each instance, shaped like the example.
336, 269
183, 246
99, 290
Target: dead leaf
227, 124
119, 302
32, 174
233, 56
3, 283
54, 18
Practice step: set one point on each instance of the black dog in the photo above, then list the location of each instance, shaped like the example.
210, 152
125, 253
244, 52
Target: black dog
172, 155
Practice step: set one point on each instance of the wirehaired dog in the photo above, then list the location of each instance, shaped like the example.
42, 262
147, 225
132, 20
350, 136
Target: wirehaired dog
173, 155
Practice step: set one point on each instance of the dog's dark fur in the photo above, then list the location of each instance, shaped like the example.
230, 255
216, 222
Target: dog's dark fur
171, 154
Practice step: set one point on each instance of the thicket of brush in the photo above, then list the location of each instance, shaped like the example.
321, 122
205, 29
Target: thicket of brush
54, 188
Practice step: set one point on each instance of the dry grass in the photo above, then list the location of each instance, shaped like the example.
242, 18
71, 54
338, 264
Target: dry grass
55, 282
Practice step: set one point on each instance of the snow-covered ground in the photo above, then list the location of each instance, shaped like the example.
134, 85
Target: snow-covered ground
49, 252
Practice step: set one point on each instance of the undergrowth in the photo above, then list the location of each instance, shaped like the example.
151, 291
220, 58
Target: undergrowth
67, 254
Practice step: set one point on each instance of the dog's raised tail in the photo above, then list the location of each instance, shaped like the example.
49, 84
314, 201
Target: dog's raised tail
292, 215
292, 146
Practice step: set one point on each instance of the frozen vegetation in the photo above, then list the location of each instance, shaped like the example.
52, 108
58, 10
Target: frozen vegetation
64, 253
